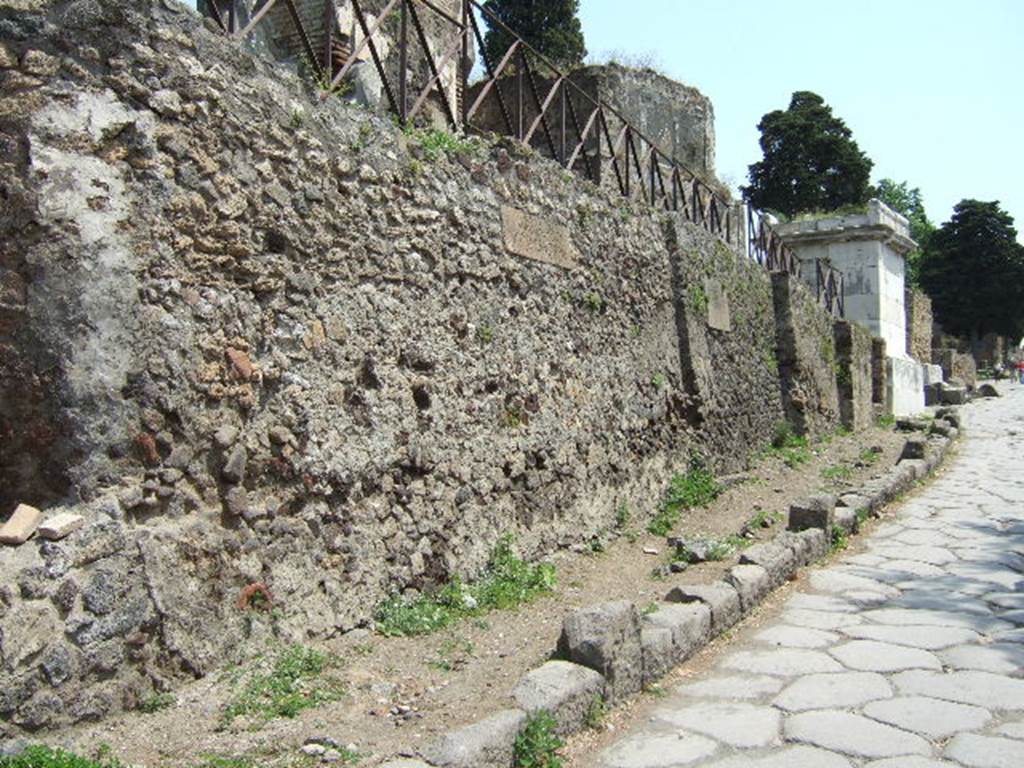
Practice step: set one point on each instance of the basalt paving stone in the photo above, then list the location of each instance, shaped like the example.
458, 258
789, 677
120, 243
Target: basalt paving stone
910, 761
999, 658
826, 620
927, 638
1011, 730
1014, 617
643, 750
842, 689
874, 656
783, 662
733, 687
925, 616
923, 537
955, 586
933, 718
893, 571
796, 637
942, 601
1002, 577
853, 735
924, 554
864, 560
740, 725
1009, 635
837, 582
791, 757
821, 603
976, 751
982, 689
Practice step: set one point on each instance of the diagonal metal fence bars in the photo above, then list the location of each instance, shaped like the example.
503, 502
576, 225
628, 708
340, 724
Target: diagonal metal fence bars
829, 284
533, 100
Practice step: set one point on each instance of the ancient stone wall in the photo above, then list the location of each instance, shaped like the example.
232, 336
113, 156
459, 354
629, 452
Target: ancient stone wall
254, 337
806, 357
919, 325
854, 374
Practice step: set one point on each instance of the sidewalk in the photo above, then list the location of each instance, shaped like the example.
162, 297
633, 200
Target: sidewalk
908, 655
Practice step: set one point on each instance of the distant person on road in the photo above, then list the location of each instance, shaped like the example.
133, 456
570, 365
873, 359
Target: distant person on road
1020, 371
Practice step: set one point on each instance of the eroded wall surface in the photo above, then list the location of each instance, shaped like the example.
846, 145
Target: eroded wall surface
256, 337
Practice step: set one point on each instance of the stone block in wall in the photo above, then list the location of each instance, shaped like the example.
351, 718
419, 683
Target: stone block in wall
719, 316
538, 238
606, 638
806, 357
854, 379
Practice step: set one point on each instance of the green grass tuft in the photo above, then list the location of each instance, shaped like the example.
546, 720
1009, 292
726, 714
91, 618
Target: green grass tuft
696, 488
45, 757
537, 744
298, 678
507, 583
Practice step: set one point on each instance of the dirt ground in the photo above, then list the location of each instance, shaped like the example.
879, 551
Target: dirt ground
402, 692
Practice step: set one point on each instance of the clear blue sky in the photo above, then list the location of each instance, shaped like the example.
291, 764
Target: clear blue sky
932, 89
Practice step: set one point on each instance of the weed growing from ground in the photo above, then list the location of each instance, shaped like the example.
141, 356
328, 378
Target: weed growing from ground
837, 472
763, 519
887, 420
839, 539
508, 582
869, 456
453, 654
696, 488
156, 702
596, 713
296, 679
792, 448
45, 757
622, 516
862, 513
537, 744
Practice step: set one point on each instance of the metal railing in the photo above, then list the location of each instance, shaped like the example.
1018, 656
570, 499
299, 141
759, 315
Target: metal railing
536, 102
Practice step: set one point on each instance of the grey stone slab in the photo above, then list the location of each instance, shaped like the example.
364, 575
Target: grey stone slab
1006, 578
839, 583
689, 623
732, 687
932, 718
643, 750
796, 637
738, 724
778, 561
566, 690
853, 735
999, 658
919, 616
924, 554
865, 560
783, 662
821, 603
812, 512
982, 689
659, 653
977, 751
1014, 617
874, 656
720, 597
842, 689
910, 761
790, 757
1011, 730
1009, 635
941, 600
488, 743
1011, 600
892, 571
827, 620
927, 638
751, 582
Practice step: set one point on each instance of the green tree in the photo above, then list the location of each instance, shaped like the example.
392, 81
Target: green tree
811, 162
909, 203
552, 27
973, 269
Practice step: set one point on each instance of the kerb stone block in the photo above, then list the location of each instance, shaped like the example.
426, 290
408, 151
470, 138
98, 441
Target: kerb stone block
606, 638
659, 653
751, 583
812, 512
817, 543
721, 598
566, 690
489, 743
779, 561
689, 623
914, 448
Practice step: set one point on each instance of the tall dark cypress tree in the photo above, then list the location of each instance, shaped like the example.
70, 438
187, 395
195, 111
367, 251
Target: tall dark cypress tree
552, 27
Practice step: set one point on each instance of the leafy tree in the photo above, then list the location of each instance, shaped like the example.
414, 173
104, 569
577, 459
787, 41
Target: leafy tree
552, 27
811, 162
908, 202
973, 269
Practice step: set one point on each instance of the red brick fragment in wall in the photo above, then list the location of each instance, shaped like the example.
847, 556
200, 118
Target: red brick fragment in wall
241, 365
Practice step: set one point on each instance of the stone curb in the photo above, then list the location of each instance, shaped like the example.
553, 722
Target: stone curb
610, 652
